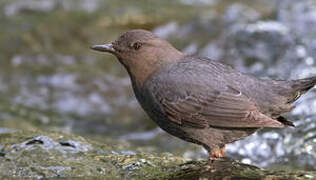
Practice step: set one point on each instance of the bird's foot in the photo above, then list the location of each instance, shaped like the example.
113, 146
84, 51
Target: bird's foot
216, 153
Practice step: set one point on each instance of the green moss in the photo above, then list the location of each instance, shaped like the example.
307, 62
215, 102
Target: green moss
40, 154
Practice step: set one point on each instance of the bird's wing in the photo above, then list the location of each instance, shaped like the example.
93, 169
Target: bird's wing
202, 98
218, 109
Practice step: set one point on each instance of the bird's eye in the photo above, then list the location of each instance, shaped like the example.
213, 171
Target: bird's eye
136, 45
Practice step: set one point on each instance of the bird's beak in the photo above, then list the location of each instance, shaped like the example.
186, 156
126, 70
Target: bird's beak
104, 48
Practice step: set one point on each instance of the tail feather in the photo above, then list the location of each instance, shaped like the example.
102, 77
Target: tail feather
304, 85
300, 86
284, 121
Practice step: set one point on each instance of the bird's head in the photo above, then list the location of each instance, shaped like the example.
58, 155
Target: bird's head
141, 52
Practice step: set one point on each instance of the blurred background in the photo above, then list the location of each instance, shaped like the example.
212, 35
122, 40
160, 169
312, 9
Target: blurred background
51, 80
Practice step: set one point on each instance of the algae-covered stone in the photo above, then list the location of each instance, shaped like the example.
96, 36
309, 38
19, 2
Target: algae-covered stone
37, 154
48, 154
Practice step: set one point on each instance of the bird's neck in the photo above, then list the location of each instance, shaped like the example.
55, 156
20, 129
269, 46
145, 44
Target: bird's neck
142, 70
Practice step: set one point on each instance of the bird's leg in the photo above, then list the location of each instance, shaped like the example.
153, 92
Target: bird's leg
215, 153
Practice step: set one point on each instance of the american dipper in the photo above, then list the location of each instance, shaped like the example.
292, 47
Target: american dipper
201, 100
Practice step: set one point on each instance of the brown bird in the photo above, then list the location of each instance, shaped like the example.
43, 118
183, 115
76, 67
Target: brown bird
201, 100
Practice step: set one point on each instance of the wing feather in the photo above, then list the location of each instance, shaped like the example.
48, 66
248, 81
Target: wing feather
224, 110
206, 94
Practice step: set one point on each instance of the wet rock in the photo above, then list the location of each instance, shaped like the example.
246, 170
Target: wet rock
48, 144
235, 15
262, 44
299, 16
43, 155
238, 13
26, 154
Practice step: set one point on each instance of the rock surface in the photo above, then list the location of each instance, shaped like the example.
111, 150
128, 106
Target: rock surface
37, 154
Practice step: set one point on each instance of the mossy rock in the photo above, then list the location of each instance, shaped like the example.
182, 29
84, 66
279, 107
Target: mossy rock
37, 154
